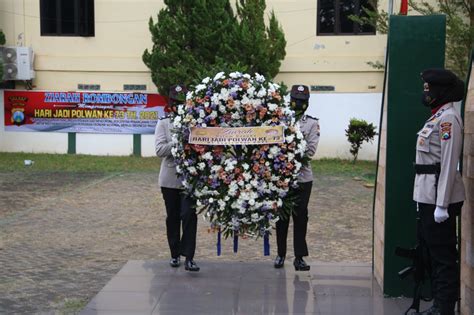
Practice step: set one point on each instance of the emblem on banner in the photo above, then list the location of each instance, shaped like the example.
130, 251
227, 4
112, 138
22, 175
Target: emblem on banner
18, 109
18, 116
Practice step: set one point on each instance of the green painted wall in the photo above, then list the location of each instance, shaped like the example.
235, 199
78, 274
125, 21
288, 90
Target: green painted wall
415, 43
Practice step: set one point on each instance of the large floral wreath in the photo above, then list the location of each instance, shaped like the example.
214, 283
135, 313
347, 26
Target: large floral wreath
240, 188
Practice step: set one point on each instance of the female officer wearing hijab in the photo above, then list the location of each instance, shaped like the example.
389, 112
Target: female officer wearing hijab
310, 128
179, 209
439, 190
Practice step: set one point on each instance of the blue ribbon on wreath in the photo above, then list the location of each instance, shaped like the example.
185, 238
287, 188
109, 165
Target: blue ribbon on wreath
219, 242
236, 241
266, 244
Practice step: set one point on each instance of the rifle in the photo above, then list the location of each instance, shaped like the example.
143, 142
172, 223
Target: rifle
419, 267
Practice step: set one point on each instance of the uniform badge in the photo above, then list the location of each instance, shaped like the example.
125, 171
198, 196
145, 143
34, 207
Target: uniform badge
446, 130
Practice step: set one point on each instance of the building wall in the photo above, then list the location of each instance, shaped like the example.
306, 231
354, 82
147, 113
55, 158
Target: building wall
122, 35
467, 216
112, 58
379, 206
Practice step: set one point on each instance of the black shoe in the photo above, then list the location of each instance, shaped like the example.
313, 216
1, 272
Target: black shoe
433, 310
279, 262
300, 264
175, 262
190, 265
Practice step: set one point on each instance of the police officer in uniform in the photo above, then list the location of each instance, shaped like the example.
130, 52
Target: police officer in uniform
310, 129
180, 211
439, 190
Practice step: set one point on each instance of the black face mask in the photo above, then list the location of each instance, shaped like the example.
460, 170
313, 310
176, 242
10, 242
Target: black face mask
427, 98
299, 106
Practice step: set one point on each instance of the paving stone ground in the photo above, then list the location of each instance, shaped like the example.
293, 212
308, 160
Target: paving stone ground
64, 235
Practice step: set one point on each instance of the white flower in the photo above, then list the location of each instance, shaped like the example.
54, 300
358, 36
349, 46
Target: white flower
218, 76
206, 80
235, 75
222, 108
211, 200
245, 100
262, 92
251, 91
201, 165
202, 113
274, 150
225, 94
259, 78
252, 202
221, 204
208, 156
200, 87
290, 138
254, 216
245, 166
272, 107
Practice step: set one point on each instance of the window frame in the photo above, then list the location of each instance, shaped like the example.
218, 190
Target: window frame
84, 28
337, 24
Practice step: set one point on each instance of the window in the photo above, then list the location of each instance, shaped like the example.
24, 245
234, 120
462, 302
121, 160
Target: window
67, 17
333, 17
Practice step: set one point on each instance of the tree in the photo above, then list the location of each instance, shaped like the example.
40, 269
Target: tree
459, 28
262, 48
193, 39
359, 131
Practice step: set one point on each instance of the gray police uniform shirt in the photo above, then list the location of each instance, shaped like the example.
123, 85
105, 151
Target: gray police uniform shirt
168, 177
309, 126
440, 141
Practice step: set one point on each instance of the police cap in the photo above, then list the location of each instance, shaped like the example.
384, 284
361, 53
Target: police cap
178, 93
300, 92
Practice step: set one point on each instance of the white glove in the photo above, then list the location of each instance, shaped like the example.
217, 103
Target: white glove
441, 214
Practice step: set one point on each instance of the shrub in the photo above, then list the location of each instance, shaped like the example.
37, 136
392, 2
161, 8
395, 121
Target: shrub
359, 131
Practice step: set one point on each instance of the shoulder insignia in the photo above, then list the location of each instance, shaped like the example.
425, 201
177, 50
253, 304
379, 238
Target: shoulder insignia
446, 130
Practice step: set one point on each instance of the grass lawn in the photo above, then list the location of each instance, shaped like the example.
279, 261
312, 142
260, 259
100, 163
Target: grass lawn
14, 162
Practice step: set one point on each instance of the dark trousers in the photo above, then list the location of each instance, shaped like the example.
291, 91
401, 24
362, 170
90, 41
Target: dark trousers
300, 223
180, 213
441, 240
